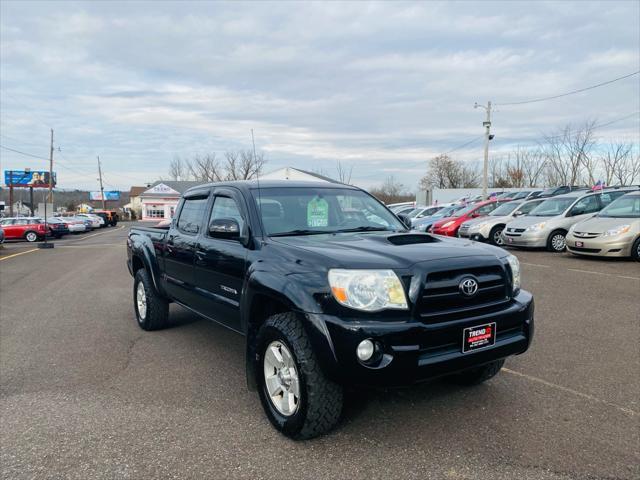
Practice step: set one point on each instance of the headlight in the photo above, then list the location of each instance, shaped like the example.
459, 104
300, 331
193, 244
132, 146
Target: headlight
514, 263
367, 290
447, 224
535, 227
620, 229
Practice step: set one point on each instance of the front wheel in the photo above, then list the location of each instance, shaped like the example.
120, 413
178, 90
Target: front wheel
152, 310
478, 375
557, 241
31, 237
495, 237
298, 399
635, 250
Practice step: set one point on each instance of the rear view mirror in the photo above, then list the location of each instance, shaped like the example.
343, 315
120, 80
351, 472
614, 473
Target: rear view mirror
227, 228
518, 214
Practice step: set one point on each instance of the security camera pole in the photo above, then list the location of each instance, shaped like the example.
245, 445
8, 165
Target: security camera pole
487, 137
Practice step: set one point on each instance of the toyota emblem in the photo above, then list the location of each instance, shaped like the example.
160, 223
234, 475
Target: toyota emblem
468, 287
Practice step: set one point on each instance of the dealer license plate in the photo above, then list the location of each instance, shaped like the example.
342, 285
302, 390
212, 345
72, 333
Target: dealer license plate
509, 240
481, 336
579, 244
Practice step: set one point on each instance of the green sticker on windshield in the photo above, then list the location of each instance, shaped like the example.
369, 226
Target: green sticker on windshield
318, 213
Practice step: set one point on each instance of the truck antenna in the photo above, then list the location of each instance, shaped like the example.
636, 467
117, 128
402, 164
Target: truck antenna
255, 161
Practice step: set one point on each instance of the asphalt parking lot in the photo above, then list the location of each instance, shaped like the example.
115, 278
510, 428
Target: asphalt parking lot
86, 394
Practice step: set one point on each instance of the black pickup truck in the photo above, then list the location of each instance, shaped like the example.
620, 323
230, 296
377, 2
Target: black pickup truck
330, 289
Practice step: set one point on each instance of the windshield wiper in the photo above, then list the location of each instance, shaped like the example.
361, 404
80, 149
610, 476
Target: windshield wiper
364, 229
300, 231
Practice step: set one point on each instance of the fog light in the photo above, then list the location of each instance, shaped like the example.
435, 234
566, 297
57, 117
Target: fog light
365, 350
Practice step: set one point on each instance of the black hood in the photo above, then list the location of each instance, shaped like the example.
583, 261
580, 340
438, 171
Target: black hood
387, 249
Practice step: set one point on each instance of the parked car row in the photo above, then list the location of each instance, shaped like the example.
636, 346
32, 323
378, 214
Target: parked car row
602, 223
33, 229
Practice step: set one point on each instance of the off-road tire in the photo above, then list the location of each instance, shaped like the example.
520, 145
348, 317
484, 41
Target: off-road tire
321, 400
157, 307
550, 241
635, 250
31, 237
492, 235
478, 375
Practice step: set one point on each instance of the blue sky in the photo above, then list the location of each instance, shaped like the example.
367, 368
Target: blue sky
379, 86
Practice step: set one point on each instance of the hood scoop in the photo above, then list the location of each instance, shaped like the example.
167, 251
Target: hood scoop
411, 239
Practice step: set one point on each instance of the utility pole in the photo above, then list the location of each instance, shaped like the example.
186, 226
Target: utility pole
104, 207
487, 136
50, 199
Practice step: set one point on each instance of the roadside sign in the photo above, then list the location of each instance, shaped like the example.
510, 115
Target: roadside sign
28, 178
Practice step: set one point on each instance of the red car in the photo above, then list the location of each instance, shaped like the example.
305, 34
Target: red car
449, 226
29, 229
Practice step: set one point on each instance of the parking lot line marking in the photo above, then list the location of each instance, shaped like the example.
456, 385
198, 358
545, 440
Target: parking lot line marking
93, 245
602, 273
99, 233
586, 396
16, 254
535, 265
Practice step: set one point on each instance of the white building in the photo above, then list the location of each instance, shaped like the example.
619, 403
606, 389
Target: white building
160, 200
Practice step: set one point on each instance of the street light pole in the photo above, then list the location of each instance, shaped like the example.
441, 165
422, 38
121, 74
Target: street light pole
487, 137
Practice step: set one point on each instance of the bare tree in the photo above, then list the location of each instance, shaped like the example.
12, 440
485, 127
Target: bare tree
445, 172
391, 191
568, 152
344, 172
205, 168
178, 169
618, 163
243, 165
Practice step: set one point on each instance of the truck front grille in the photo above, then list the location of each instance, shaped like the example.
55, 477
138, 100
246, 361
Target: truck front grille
442, 300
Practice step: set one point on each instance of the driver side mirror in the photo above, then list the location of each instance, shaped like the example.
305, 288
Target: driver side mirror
227, 228
518, 214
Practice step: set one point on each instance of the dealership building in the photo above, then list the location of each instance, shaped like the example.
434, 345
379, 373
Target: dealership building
160, 200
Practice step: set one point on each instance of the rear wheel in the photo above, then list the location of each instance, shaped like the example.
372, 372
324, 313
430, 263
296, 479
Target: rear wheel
635, 250
495, 236
477, 375
298, 399
31, 237
557, 241
152, 310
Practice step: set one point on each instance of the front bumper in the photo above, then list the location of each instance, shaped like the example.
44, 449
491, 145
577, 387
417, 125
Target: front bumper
414, 351
619, 246
525, 239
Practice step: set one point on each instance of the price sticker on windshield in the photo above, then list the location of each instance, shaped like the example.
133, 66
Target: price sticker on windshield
318, 213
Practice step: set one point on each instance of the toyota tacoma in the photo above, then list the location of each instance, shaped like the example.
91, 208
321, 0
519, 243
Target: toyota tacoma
330, 290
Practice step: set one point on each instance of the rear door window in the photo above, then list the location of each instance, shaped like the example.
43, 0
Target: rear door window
191, 215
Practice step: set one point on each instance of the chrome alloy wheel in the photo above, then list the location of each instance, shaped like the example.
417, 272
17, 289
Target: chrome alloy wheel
281, 378
31, 237
558, 242
141, 300
497, 238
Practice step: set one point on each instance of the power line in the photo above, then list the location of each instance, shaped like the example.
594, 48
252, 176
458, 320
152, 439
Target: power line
600, 125
570, 93
24, 153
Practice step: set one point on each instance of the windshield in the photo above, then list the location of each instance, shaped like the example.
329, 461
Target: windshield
464, 211
447, 211
505, 209
313, 210
623, 207
552, 207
